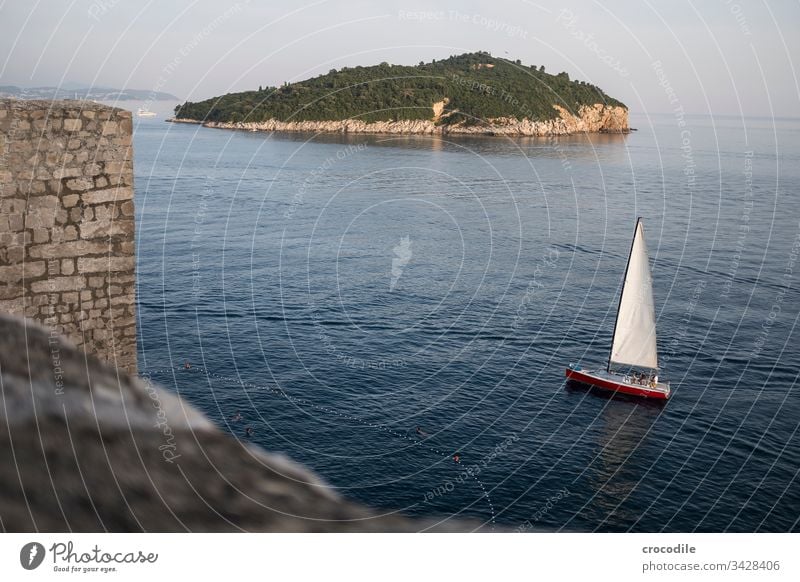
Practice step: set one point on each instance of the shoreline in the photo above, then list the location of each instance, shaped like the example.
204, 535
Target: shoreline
597, 119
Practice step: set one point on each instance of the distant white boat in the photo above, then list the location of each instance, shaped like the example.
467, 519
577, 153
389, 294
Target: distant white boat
145, 113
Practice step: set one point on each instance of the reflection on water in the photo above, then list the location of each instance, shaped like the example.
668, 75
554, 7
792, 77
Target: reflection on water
622, 429
580, 146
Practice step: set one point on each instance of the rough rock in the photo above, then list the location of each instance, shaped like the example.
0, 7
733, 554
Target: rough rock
85, 447
598, 118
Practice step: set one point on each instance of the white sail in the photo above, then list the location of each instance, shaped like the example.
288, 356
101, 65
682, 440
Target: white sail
634, 341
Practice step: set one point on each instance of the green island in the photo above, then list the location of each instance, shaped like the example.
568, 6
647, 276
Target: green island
471, 93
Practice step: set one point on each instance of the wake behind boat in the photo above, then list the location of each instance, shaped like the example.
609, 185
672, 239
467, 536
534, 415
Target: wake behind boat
633, 362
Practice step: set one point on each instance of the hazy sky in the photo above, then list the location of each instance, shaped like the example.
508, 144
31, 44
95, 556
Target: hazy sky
717, 56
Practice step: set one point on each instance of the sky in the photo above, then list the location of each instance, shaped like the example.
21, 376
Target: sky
722, 57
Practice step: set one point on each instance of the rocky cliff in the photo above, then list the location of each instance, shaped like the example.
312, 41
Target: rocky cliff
598, 118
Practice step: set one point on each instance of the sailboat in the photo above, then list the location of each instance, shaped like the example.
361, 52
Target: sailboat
633, 363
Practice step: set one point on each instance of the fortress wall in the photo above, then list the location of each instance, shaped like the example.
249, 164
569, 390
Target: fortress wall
67, 231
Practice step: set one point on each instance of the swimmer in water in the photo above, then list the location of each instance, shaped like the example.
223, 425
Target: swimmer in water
421, 432
248, 431
457, 458
236, 417
187, 365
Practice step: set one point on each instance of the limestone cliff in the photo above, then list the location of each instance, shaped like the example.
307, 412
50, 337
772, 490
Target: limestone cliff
598, 118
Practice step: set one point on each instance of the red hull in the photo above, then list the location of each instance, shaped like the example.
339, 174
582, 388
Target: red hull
615, 386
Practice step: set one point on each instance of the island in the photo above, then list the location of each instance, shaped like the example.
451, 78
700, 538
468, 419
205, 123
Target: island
473, 93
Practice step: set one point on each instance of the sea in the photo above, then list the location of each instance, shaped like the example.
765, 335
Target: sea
396, 312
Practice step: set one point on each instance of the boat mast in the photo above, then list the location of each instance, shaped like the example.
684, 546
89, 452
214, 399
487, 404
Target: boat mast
621, 291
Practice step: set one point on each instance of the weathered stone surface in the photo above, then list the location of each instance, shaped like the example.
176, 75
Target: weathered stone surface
80, 184
58, 207
56, 284
72, 124
71, 249
104, 265
90, 449
107, 195
105, 228
15, 273
598, 118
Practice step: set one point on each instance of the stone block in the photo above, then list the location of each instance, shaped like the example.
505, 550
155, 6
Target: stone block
91, 170
14, 306
105, 264
70, 200
41, 219
127, 299
62, 173
109, 128
37, 203
105, 211
127, 208
69, 249
15, 254
37, 187
59, 284
21, 271
80, 184
12, 205
117, 167
72, 125
105, 228
16, 222
41, 235
107, 195
70, 233
54, 186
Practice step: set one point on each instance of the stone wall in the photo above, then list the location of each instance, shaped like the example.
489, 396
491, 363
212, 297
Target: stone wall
67, 256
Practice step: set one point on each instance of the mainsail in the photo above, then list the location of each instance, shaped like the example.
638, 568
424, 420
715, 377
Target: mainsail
634, 341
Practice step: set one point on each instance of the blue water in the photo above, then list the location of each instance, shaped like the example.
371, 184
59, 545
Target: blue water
267, 262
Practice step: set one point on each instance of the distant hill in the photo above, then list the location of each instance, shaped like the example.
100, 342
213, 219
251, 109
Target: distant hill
69, 91
464, 90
